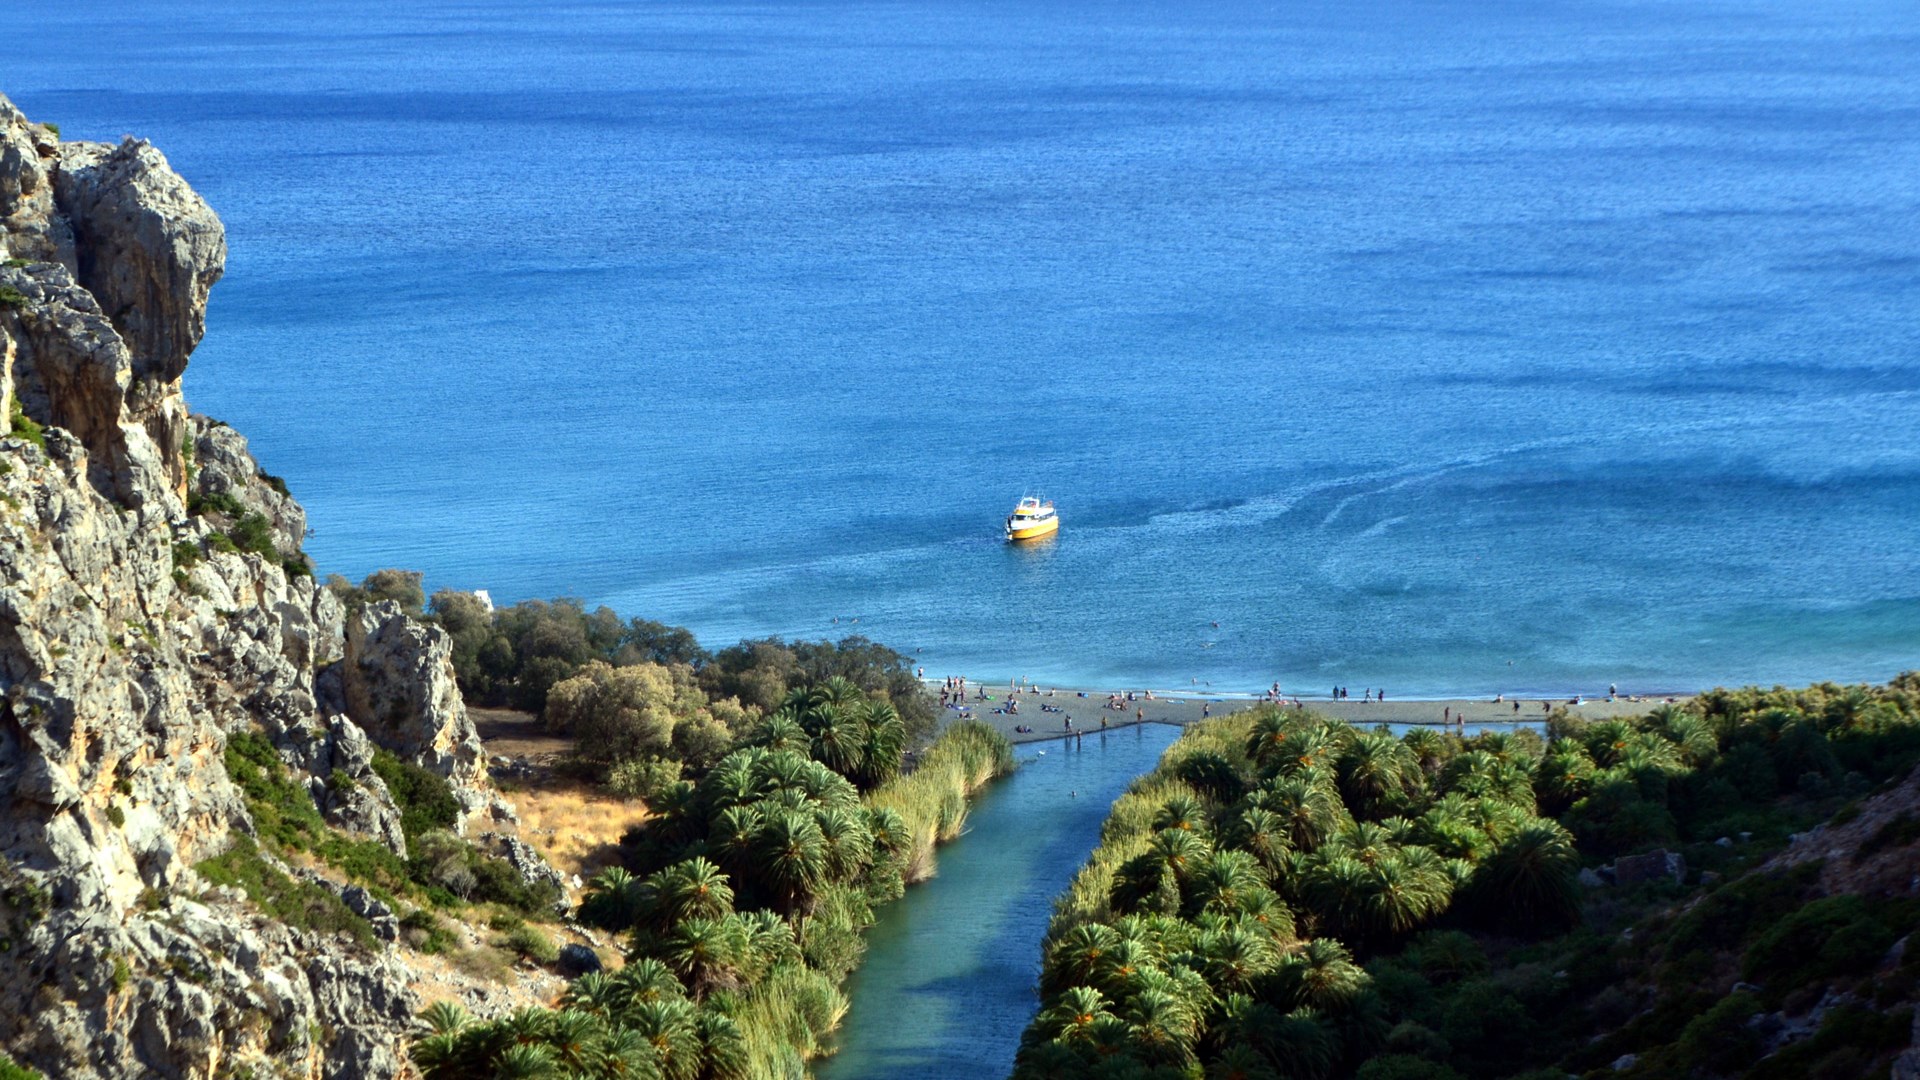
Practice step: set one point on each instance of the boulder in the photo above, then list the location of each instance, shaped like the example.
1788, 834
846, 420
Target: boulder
1652, 866
576, 960
398, 684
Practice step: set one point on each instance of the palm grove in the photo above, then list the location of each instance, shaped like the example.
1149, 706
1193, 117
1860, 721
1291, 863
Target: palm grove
1289, 896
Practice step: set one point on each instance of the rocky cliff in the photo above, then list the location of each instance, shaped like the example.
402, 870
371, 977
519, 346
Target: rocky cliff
154, 602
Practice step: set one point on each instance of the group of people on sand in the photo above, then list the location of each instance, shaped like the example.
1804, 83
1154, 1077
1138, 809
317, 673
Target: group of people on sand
1341, 693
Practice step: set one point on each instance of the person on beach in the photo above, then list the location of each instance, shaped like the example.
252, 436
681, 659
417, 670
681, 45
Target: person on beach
1516, 706
1380, 695
1139, 716
1446, 715
1206, 710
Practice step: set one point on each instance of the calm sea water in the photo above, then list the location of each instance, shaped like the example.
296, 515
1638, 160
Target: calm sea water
1448, 347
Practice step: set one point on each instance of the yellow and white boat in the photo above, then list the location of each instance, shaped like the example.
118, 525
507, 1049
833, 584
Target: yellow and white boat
1032, 519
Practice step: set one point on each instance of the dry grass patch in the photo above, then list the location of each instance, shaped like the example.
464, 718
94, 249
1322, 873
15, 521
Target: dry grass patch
577, 827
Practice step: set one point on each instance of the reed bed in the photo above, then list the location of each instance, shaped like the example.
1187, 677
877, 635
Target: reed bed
785, 1019
932, 799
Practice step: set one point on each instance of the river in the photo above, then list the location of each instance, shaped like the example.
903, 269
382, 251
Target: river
948, 983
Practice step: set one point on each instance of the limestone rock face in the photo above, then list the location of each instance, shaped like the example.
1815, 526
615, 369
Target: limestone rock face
222, 465
29, 229
149, 247
135, 640
399, 686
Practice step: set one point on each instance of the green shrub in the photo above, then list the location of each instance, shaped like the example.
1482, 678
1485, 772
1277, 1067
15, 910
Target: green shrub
1719, 1039
425, 932
275, 483
530, 942
11, 1070
117, 816
218, 502
1834, 935
425, 799
285, 817
254, 533
186, 555
1404, 1067
302, 905
12, 297
23, 425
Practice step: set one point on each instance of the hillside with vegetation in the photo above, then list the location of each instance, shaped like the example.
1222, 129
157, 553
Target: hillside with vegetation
1289, 896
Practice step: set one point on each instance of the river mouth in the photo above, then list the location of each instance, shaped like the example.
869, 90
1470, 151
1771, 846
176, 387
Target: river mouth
948, 983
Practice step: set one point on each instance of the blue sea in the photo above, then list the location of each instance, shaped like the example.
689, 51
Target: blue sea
1446, 347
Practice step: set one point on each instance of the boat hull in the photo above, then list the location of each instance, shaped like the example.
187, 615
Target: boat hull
1035, 531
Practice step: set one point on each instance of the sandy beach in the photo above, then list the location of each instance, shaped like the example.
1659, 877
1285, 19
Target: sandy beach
1087, 709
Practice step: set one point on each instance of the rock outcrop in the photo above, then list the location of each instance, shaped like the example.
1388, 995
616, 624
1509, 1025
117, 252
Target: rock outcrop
154, 602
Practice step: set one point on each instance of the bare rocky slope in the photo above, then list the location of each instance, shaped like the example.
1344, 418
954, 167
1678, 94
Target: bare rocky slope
136, 637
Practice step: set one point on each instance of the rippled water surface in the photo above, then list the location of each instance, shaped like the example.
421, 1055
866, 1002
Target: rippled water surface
1451, 347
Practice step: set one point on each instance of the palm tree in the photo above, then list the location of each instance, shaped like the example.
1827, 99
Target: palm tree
733, 781
791, 856
1161, 1026
595, 993
526, 1061
1240, 1062
1182, 812
1378, 774
769, 943
1322, 977
1608, 740
886, 740
706, 953
1179, 851
723, 1048
1120, 967
1532, 880
839, 740
1262, 834
1270, 729
1234, 957
1565, 774
625, 1055
1364, 841
889, 830
668, 1028
694, 888
734, 835
782, 731
610, 900
1224, 881
1479, 775
1071, 1017
1308, 811
445, 1017
1430, 750
1398, 896
1307, 748
847, 845
574, 1037
834, 692
1074, 959
644, 979
1262, 908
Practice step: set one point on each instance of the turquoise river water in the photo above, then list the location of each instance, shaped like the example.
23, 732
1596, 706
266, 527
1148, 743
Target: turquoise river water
948, 984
